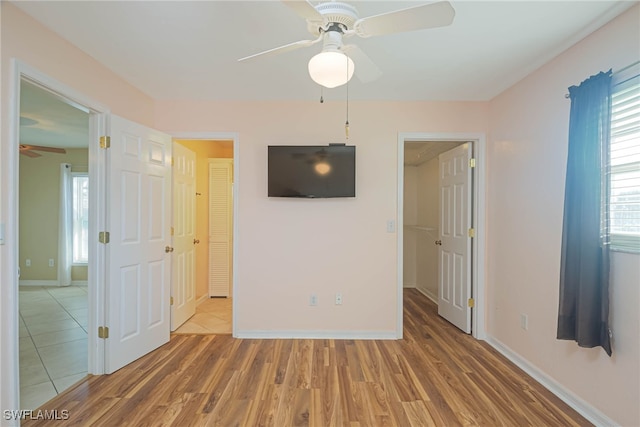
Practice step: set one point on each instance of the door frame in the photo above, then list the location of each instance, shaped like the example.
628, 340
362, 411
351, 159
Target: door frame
478, 140
98, 120
235, 137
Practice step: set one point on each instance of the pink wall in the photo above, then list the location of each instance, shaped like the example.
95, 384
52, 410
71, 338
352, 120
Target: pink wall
527, 160
291, 248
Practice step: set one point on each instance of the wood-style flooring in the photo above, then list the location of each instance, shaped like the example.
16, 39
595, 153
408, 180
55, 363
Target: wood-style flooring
436, 375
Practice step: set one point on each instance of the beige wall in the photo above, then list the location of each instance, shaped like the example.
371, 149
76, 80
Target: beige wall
204, 150
39, 212
428, 216
410, 236
527, 163
288, 249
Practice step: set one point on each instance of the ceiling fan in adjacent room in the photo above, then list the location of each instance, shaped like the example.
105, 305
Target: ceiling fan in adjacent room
30, 150
331, 21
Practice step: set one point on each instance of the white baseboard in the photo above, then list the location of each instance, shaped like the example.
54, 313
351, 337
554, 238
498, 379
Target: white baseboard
38, 283
583, 408
429, 295
202, 299
79, 283
408, 285
327, 335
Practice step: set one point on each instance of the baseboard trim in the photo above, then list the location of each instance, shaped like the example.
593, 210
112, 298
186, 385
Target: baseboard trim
337, 335
38, 283
202, 299
583, 408
432, 297
79, 283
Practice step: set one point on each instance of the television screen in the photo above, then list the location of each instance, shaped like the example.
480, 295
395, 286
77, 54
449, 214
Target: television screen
312, 171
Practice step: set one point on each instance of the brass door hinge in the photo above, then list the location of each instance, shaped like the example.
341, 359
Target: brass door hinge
171, 301
105, 142
472, 162
471, 302
472, 232
103, 237
103, 332
172, 231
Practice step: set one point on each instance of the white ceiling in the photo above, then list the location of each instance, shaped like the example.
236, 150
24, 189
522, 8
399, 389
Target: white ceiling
47, 120
188, 50
417, 152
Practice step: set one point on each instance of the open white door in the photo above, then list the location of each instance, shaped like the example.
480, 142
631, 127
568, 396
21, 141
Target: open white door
183, 283
138, 261
454, 252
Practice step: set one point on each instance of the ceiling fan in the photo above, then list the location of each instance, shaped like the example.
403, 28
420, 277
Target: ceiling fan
331, 21
30, 150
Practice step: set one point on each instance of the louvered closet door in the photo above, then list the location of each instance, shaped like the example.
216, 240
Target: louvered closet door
220, 226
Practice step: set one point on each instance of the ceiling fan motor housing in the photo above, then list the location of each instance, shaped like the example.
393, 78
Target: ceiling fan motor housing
333, 12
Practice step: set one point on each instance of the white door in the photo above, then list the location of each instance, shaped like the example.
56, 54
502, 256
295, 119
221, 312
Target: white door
139, 223
183, 283
454, 252
220, 226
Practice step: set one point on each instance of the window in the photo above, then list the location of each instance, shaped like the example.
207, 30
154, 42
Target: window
624, 196
80, 212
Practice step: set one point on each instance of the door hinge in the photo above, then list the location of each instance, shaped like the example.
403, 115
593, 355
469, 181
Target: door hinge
172, 231
472, 162
171, 301
173, 161
105, 141
472, 232
103, 332
471, 302
103, 237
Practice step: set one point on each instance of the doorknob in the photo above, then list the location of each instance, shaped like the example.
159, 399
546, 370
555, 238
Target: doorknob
439, 242
196, 241
168, 249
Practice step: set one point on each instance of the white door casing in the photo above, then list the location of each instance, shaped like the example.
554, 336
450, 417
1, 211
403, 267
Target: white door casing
183, 283
220, 226
454, 252
139, 222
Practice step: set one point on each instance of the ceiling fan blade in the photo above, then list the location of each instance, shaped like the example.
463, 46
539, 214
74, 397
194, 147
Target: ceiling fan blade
364, 68
30, 153
286, 48
304, 9
430, 15
42, 148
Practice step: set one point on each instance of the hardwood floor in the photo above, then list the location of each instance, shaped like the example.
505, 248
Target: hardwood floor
436, 375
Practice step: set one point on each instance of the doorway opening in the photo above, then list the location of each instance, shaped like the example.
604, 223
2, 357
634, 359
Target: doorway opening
95, 113
213, 236
54, 216
425, 222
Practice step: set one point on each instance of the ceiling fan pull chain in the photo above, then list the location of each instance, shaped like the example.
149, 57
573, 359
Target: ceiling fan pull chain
321, 92
346, 123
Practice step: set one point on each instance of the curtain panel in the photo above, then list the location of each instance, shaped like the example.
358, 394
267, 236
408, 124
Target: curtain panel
583, 314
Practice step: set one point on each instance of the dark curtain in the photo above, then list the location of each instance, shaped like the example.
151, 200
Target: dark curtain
583, 315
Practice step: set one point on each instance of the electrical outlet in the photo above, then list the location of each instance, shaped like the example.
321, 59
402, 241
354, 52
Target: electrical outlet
313, 300
524, 322
338, 298
51, 263
27, 262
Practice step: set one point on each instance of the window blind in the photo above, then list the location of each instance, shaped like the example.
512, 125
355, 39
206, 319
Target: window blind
624, 197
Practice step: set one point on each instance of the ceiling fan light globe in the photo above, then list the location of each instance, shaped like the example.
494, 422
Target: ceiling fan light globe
331, 69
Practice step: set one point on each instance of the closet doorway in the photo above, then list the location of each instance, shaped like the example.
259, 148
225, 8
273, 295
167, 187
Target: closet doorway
441, 212
214, 236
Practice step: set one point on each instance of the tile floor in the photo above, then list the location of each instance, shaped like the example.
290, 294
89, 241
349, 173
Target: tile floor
213, 316
53, 341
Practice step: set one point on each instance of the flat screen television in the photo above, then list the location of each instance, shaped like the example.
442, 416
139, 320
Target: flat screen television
311, 171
